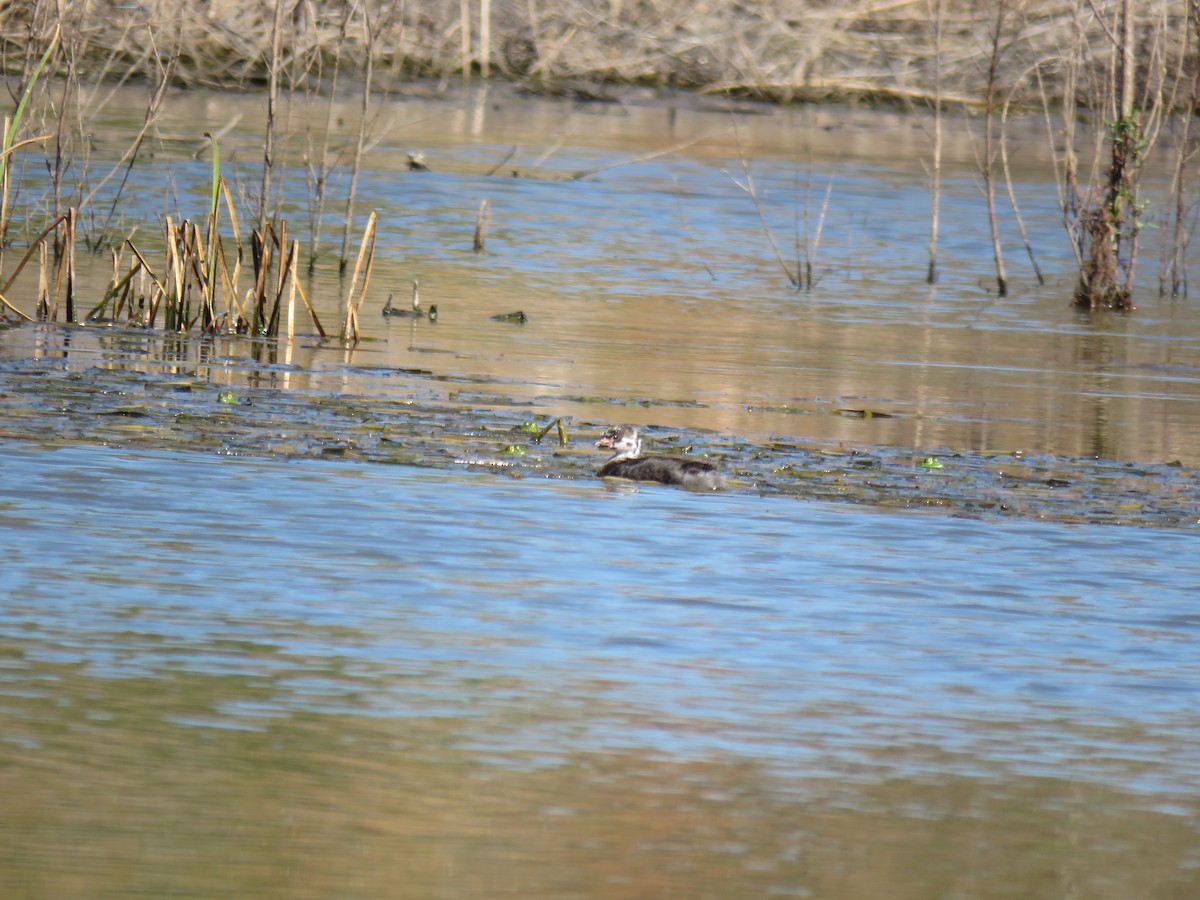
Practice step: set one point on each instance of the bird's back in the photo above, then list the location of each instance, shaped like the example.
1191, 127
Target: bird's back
665, 470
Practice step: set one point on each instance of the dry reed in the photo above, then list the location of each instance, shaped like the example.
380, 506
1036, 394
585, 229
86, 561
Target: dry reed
998, 44
360, 281
786, 50
935, 174
198, 288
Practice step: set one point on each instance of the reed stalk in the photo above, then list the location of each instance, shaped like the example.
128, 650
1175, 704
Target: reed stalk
57, 166
988, 163
43, 309
464, 16
482, 220
214, 238
72, 218
1012, 194
198, 265
749, 187
808, 238
230, 279
317, 162
293, 278
5, 183
935, 175
360, 280
360, 140
64, 274
321, 157
279, 239
485, 37
260, 254
641, 158
274, 67
309, 307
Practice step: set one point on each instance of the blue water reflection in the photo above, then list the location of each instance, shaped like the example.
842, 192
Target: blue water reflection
808, 637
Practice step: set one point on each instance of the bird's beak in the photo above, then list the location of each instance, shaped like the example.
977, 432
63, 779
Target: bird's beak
605, 441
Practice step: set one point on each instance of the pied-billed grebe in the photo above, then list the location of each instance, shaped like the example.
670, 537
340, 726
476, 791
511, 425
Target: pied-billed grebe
628, 462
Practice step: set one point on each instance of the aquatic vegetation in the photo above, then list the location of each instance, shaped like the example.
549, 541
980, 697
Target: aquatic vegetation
47, 405
201, 262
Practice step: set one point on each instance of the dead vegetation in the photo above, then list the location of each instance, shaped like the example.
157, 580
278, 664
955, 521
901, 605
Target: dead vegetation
785, 50
1117, 74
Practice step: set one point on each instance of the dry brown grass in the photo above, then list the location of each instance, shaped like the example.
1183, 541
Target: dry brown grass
777, 49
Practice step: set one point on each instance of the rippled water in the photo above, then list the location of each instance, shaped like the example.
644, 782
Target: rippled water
264, 677
653, 290
281, 678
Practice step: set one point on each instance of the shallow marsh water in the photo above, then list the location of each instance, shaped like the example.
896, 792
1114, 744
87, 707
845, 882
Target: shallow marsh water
230, 667
317, 678
653, 293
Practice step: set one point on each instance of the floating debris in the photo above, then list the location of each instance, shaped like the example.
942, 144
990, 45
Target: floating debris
517, 318
865, 414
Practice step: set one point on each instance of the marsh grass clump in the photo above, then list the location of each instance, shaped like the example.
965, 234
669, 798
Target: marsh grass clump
198, 286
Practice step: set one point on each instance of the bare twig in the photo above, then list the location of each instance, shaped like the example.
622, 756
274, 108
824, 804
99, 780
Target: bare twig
645, 157
749, 188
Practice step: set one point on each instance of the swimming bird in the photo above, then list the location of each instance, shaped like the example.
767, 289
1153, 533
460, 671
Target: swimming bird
628, 462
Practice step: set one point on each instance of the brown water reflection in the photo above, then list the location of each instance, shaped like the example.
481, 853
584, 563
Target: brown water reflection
654, 296
128, 795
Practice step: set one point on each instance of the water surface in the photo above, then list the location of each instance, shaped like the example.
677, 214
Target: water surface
652, 287
230, 668
271, 678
